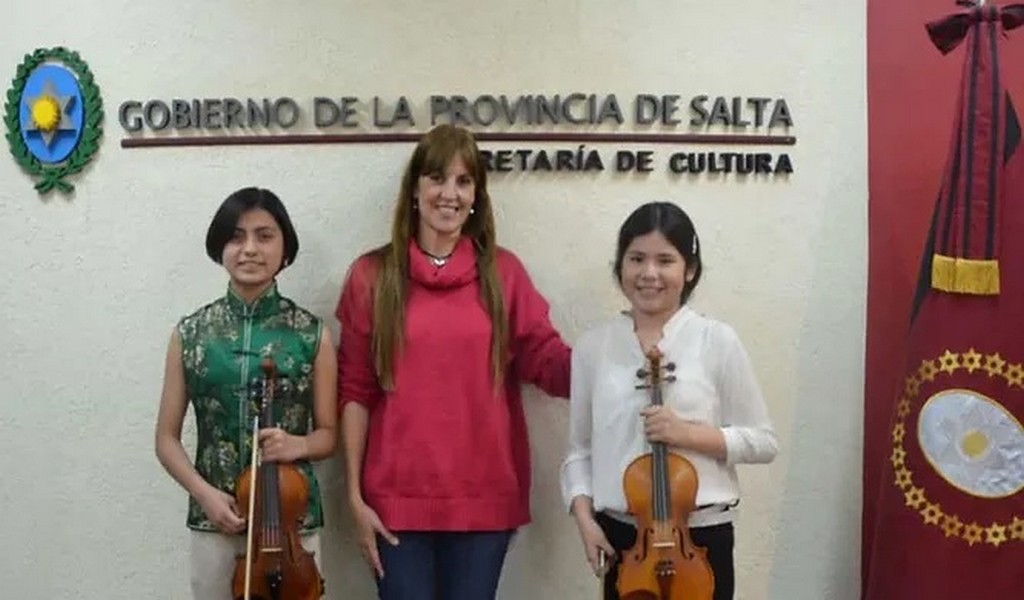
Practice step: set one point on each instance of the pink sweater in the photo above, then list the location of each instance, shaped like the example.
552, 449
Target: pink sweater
444, 452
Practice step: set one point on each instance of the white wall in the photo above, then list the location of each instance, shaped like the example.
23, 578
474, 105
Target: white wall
94, 281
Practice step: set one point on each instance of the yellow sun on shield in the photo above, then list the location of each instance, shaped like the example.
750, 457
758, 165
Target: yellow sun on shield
45, 113
974, 443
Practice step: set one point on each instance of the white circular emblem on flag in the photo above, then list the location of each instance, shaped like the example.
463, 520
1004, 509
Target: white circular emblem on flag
973, 442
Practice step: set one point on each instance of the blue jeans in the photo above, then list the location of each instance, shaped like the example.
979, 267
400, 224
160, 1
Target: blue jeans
442, 565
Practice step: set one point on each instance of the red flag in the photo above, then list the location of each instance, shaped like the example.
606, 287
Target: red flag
950, 512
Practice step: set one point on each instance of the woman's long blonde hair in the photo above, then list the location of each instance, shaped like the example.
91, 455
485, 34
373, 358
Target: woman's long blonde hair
432, 155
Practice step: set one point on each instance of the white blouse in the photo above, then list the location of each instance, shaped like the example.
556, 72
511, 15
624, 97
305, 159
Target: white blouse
714, 385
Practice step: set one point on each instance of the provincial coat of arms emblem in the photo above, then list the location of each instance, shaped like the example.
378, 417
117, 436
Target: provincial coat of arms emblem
53, 113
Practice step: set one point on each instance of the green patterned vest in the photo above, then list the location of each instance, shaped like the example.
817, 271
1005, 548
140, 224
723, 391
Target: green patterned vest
222, 346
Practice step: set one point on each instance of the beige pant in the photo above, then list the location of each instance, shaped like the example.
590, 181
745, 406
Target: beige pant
212, 562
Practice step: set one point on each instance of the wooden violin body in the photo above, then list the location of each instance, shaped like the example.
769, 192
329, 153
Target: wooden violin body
275, 566
661, 492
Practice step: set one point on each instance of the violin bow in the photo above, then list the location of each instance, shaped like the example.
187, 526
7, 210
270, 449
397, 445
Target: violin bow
252, 508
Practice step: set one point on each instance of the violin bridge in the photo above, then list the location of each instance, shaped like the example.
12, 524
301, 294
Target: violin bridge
664, 544
275, 550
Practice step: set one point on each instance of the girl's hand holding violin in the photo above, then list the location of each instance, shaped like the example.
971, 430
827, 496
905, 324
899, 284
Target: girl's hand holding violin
662, 425
280, 446
221, 509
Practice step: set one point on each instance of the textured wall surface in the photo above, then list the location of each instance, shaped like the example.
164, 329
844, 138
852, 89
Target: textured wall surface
94, 281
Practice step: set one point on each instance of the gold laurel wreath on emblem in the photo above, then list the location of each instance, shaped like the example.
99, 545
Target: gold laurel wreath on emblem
53, 176
915, 498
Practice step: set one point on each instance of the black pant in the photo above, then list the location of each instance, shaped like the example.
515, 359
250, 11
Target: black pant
718, 539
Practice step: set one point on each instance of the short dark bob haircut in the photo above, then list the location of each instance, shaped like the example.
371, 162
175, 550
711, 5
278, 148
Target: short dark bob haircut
222, 227
673, 223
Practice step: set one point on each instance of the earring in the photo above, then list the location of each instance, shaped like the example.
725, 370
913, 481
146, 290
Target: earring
472, 210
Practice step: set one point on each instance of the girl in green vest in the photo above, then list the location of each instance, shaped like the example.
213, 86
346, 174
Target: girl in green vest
213, 365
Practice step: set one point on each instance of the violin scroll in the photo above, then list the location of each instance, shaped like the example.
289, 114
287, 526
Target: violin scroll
652, 375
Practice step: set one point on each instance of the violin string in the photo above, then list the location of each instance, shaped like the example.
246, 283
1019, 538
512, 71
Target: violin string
275, 516
657, 486
267, 509
660, 468
662, 474
658, 491
268, 518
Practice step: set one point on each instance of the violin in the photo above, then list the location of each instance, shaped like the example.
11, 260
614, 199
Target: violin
274, 566
661, 492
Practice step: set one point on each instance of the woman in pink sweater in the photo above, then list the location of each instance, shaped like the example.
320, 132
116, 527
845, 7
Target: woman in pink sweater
439, 328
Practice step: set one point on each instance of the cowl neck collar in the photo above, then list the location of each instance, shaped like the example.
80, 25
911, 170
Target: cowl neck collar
458, 271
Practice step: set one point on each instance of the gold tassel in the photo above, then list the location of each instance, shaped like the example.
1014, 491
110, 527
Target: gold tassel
965, 275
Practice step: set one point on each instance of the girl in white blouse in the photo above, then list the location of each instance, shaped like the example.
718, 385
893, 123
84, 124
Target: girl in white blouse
713, 413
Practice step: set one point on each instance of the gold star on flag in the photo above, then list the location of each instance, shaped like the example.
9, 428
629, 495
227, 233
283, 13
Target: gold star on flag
903, 478
971, 360
903, 408
898, 431
949, 362
912, 386
1014, 375
914, 497
928, 370
951, 525
931, 513
1017, 529
973, 534
898, 456
994, 364
996, 534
